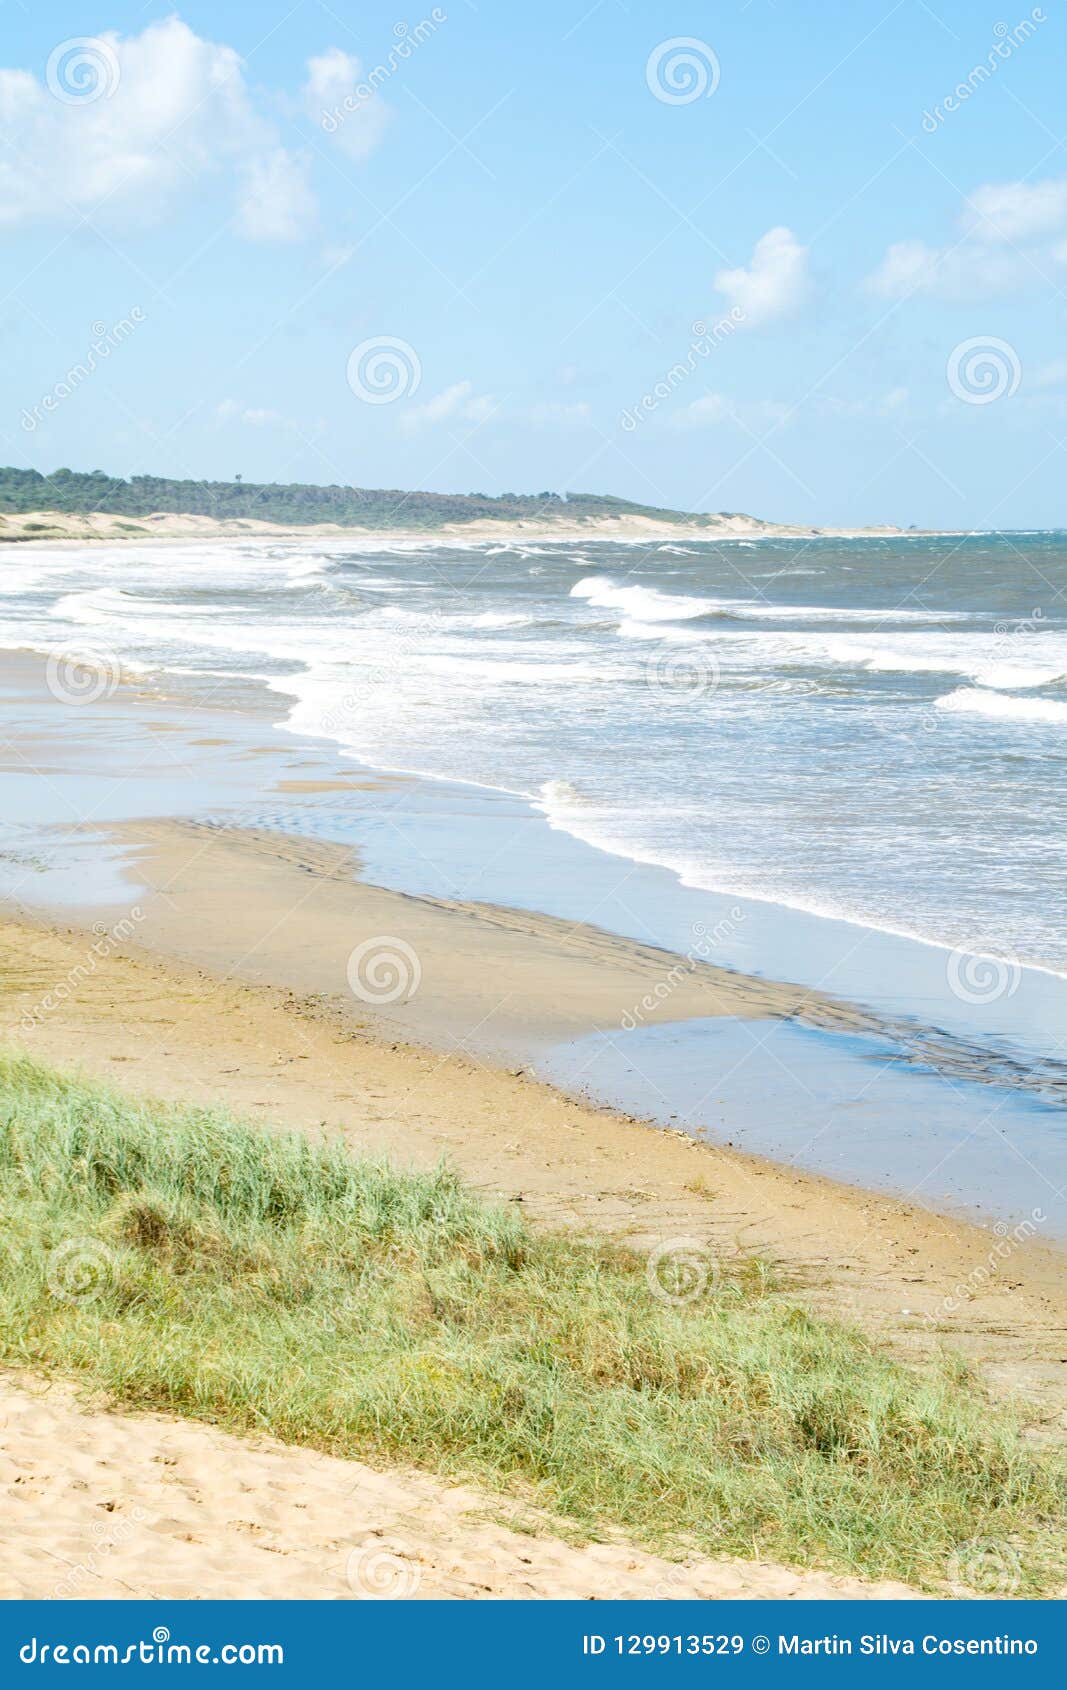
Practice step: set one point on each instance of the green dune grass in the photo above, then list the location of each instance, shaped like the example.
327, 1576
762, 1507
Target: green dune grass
186, 1262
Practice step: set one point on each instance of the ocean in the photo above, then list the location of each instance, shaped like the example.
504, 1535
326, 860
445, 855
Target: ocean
870, 730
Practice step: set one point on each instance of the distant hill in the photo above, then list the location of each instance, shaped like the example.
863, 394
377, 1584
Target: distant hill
297, 503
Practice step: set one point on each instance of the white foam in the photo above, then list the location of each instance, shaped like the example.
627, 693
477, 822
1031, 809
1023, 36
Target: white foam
496, 619
644, 604
840, 613
1034, 662
559, 794
972, 701
307, 570
113, 606
498, 681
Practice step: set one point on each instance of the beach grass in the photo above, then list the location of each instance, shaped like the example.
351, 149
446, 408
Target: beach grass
186, 1262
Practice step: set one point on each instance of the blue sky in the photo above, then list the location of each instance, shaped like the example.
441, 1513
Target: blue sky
741, 258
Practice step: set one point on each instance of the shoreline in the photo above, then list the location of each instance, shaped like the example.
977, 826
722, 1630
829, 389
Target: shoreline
213, 971
556, 998
160, 1027
242, 872
76, 529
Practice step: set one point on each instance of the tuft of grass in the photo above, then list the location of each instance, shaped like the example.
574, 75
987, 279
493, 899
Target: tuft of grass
187, 1262
700, 1187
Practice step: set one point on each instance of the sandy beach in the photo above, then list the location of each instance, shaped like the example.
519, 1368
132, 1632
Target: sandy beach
186, 1511
533, 970
105, 1504
159, 1026
222, 979
51, 528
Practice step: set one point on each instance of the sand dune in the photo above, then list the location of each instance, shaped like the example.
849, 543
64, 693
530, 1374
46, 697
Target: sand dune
102, 1504
71, 527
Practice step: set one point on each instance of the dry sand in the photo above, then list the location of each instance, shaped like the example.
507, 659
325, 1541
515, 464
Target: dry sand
105, 1504
69, 528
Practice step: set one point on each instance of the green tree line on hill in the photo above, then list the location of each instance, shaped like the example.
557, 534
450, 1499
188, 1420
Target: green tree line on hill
79, 493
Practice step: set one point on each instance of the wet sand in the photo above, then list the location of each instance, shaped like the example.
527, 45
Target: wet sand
281, 910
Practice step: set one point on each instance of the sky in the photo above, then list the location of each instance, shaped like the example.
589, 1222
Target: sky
805, 260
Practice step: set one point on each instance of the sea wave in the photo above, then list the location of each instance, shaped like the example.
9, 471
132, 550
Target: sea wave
496, 619
972, 701
645, 604
979, 656
113, 606
737, 768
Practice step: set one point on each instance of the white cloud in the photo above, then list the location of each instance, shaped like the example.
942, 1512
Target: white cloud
702, 413
555, 411
348, 110
908, 267
232, 410
257, 416
461, 403
776, 282
335, 255
1005, 241
746, 417
168, 112
1016, 211
277, 203
966, 270
894, 400
758, 416
877, 405
458, 401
